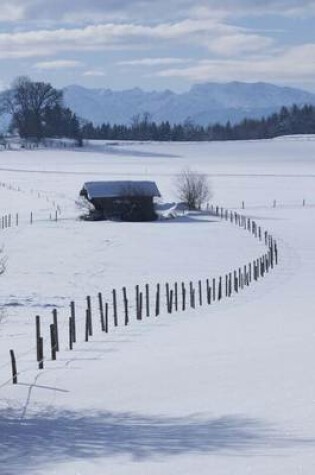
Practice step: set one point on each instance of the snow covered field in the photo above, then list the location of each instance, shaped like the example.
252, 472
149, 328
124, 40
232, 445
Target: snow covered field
226, 389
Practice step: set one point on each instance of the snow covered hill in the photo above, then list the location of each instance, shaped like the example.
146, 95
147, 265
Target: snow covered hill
222, 389
203, 103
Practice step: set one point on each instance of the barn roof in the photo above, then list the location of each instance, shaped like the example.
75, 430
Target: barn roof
114, 189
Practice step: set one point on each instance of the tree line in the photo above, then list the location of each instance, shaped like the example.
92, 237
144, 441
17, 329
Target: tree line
288, 121
37, 112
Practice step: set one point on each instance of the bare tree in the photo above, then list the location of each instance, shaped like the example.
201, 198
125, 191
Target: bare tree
193, 188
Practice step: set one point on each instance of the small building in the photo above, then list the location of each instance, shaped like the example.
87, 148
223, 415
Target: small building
123, 200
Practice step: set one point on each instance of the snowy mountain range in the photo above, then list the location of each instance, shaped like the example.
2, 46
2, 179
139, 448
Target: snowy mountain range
203, 103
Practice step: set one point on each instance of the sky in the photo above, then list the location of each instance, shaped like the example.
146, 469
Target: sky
161, 44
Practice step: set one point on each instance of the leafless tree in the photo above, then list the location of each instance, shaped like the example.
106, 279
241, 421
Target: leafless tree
193, 188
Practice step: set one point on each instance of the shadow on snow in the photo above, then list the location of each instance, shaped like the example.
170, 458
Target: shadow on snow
52, 437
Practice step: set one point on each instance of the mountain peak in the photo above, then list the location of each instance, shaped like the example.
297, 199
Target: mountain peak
204, 103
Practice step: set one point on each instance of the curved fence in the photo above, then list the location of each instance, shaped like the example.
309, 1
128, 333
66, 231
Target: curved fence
153, 301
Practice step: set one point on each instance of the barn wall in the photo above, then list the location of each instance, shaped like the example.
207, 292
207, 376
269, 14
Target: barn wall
133, 208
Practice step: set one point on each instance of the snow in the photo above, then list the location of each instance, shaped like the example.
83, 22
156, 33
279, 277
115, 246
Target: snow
222, 389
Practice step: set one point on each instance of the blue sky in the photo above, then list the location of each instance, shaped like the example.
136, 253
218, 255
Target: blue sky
163, 44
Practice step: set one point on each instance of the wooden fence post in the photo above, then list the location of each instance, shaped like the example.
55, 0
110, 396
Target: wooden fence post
208, 292
147, 299
87, 324
220, 289
191, 292
170, 310
137, 302
89, 315
55, 322
124, 290
157, 301
200, 292
37, 323
53, 341
72, 313
235, 282
183, 297
167, 294
140, 305
176, 296
115, 308
70, 333
14, 370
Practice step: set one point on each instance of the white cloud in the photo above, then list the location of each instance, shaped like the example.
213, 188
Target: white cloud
102, 10
97, 37
153, 61
58, 64
217, 36
10, 12
94, 73
239, 43
292, 65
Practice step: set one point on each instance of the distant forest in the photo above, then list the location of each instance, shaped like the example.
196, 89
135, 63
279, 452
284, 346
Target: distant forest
289, 121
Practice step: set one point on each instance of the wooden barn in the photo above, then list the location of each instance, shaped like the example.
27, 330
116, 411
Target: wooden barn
123, 200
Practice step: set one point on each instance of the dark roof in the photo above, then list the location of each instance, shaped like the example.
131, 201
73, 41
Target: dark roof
114, 189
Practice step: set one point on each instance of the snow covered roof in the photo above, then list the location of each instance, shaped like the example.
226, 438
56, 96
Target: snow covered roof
113, 189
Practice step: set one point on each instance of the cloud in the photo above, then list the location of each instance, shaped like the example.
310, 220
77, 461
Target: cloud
58, 64
97, 37
228, 45
153, 61
94, 73
84, 11
289, 66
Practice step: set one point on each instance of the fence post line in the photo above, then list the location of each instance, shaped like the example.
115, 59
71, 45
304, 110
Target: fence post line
101, 309
14, 370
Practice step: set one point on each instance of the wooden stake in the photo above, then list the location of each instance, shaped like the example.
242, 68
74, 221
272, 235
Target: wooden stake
14, 370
